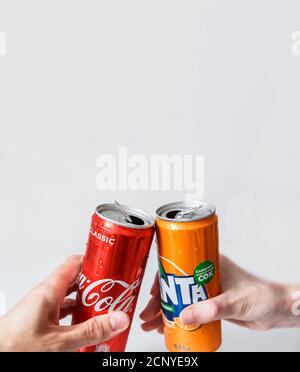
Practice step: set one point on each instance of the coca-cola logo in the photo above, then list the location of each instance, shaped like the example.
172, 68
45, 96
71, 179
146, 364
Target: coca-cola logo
97, 294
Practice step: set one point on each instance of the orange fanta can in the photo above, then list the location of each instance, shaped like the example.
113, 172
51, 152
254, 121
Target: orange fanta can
188, 253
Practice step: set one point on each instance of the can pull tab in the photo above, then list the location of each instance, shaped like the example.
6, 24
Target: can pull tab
122, 211
182, 214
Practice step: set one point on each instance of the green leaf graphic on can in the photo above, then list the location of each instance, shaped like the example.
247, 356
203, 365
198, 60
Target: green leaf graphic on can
204, 272
167, 307
162, 271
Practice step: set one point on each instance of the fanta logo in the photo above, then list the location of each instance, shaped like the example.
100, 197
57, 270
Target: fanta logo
181, 290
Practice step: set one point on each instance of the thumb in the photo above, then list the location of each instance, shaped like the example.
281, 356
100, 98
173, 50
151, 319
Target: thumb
208, 311
95, 330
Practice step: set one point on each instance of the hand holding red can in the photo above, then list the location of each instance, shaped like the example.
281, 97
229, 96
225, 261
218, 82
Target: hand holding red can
113, 267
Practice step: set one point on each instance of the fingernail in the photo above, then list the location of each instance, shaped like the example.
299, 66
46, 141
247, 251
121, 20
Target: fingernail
188, 316
118, 321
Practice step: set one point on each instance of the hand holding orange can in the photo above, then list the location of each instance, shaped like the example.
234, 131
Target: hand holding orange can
188, 252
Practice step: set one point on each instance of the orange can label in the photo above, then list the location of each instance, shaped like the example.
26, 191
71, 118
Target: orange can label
188, 273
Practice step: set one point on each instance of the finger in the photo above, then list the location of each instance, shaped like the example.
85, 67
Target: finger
155, 287
66, 312
151, 309
208, 311
72, 288
231, 273
67, 308
239, 323
160, 330
153, 324
249, 325
94, 330
59, 281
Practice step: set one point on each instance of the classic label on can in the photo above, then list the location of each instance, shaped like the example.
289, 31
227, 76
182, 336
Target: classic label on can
103, 236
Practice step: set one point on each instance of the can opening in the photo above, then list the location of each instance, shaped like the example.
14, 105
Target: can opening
185, 211
125, 216
136, 220
172, 214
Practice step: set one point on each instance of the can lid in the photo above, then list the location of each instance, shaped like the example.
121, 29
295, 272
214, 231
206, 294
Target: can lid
125, 216
185, 211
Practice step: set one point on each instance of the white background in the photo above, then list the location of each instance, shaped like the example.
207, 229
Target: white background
210, 77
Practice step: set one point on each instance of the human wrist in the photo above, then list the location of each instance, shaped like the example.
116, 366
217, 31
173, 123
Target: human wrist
288, 309
3, 344
6, 337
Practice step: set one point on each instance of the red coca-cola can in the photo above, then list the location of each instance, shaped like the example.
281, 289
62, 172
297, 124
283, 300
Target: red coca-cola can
113, 267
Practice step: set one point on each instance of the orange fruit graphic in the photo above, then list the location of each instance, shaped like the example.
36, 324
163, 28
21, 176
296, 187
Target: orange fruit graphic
187, 327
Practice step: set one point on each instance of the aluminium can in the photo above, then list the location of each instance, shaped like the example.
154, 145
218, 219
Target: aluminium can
188, 252
113, 267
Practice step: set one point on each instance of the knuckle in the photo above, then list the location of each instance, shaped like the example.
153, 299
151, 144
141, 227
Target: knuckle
56, 343
240, 308
51, 288
259, 327
264, 327
215, 309
74, 259
224, 259
94, 331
